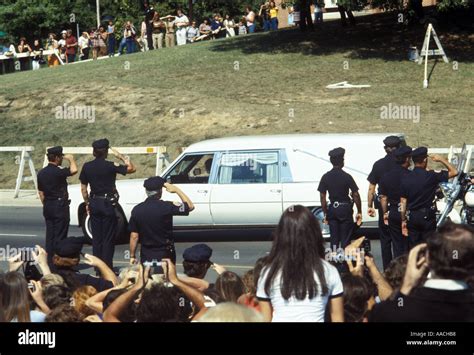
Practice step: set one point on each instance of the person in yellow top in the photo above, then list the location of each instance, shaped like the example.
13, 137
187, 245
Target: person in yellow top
273, 10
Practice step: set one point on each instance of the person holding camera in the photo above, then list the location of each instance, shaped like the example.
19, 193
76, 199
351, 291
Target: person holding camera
151, 222
101, 203
52, 189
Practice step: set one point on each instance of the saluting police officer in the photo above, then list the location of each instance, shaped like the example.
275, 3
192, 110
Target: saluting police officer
100, 174
339, 214
417, 193
151, 222
381, 167
389, 190
52, 186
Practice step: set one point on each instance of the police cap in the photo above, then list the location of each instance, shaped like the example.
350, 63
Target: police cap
402, 151
420, 152
154, 183
58, 150
70, 247
392, 141
198, 253
101, 144
337, 152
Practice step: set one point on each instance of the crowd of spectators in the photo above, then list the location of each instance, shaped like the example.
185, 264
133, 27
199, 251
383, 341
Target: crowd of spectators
296, 281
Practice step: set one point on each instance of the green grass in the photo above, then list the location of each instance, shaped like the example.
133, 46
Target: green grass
139, 98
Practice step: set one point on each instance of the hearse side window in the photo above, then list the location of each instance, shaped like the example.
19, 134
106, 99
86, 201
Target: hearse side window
192, 169
248, 168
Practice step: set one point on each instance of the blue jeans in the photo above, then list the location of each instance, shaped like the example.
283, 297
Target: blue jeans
123, 43
274, 24
252, 28
266, 25
130, 45
318, 17
111, 45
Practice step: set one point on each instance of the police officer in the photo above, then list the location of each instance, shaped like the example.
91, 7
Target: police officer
389, 189
52, 186
379, 168
339, 214
100, 174
417, 193
151, 222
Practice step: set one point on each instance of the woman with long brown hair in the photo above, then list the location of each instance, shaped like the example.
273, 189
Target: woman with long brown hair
296, 283
15, 298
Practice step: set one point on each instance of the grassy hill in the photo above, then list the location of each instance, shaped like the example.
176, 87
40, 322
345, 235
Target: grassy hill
257, 84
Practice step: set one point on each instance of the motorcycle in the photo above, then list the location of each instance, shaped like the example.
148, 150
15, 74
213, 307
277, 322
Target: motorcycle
456, 198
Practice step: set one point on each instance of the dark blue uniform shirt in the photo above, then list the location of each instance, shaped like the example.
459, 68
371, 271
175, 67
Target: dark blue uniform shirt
389, 184
52, 180
419, 187
100, 174
338, 183
153, 221
380, 168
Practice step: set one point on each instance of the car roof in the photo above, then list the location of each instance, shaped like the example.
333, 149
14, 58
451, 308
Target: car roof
283, 141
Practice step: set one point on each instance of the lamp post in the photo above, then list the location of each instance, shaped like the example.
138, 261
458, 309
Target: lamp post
98, 12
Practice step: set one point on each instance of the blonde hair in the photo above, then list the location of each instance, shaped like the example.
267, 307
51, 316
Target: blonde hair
51, 279
80, 296
231, 312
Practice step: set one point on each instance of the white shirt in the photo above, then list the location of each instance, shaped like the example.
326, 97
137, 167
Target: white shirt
446, 284
83, 42
294, 310
180, 19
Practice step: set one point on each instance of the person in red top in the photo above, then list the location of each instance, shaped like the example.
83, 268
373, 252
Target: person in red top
71, 47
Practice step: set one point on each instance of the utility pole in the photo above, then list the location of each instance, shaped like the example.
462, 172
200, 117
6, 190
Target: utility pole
98, 12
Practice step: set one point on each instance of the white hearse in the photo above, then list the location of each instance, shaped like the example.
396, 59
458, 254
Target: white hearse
248, 181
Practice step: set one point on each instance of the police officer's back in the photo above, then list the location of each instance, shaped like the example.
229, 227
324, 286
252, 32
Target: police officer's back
151, 222
52, 187
100, 174
381, 167
417, 193
389, 189
339, 215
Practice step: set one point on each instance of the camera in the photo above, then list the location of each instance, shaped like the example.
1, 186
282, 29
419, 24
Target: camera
155, 266
366, 246
31, 287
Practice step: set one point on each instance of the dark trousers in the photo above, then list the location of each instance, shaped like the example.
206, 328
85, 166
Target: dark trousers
149, 36
341, 225
130, 45
85, 53
400, 242
385, 241
104, 229
71, 58
150, 254
420, 224
111, 45
343, 11
56, 216
306, 21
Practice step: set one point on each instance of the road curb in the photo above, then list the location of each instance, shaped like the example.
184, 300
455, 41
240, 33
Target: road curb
26, 198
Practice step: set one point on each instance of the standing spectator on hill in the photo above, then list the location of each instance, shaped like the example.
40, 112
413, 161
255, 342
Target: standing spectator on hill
159, 30
129, 34
445, 296
84, 46
143, 38
103, 38
71, 44
181, 22
306, 21
242, 27
344, 9
38, 54
273, 12
229, 25
192, 32
24, 47
111, 38
319, 6
62, 46
149, 16
216, 27
169, 37
94, 36
204, 30
297, 283
265, 16
52, 44
250, 18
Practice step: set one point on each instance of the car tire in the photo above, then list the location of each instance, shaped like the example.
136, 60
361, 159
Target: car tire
122, 236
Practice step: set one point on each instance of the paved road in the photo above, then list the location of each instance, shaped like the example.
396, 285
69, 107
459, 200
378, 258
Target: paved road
24, 227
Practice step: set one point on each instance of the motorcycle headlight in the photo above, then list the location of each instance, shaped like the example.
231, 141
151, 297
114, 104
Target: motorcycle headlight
447, 188
469, 197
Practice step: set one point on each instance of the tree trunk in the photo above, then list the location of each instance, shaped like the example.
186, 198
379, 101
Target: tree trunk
190, 11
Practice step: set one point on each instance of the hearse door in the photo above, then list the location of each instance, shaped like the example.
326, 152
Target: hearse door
192, 175
247, 189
